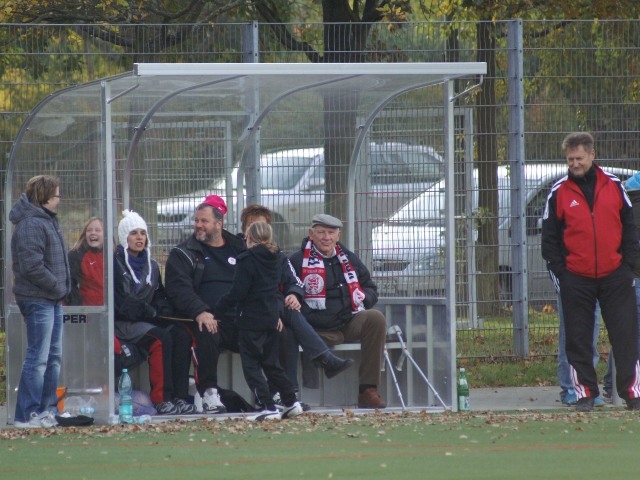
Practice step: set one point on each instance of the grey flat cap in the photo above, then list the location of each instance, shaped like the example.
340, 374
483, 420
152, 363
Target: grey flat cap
326, 221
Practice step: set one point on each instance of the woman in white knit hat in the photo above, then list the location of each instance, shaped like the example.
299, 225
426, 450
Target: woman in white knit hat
139, 301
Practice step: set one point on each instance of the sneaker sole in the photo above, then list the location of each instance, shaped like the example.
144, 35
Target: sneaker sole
265, 417
292, 412
25, 425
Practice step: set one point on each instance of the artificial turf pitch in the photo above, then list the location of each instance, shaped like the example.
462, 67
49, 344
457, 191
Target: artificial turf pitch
523, 445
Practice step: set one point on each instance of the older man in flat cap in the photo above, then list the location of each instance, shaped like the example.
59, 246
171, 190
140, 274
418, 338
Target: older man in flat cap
198, 272
338, 296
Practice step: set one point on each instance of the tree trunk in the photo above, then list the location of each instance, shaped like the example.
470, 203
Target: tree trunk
344, 41
487, 164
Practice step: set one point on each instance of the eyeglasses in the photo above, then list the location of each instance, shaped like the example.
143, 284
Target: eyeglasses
57, 196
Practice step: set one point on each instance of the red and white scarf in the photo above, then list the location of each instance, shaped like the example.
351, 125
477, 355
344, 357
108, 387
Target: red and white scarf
314, 278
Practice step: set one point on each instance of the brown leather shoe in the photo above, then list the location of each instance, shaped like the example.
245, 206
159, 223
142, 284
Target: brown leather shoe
370, 399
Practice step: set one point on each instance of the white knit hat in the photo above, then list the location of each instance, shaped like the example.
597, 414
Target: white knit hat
132, 221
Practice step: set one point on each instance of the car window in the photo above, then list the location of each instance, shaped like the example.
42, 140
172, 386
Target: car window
423, 166
283, 172
391, 167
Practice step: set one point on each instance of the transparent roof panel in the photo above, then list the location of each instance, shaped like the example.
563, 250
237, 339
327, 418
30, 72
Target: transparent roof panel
167, 121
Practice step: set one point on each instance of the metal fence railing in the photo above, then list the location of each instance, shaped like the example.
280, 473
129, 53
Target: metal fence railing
575, 75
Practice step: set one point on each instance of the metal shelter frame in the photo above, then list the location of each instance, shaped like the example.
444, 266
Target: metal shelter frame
151, 91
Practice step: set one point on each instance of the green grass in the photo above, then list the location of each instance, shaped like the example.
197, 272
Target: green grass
3, 371
537, 371
532, 445
487, 353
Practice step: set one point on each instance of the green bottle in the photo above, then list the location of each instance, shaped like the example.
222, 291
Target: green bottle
463, 392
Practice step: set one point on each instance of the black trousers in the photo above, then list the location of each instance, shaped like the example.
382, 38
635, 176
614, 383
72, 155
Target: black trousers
617, 299
259, 352
169, 362
206, 351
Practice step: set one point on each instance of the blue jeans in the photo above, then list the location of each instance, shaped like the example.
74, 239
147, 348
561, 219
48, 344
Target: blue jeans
608, 378
564, 371
41, 367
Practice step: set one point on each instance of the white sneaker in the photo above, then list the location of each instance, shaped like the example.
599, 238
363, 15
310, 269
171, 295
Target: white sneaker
292, 411
44, 420
265, 415
211, 402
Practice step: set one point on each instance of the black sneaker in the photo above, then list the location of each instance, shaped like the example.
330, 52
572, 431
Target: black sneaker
584, 404
280, 406
184, 407
166, 408
633, 404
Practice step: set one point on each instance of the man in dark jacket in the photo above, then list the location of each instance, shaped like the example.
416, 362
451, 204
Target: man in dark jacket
198, 272
40, 282
338, 296
590, 243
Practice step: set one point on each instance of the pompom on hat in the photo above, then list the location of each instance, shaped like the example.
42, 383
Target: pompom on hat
216, 202
132, 221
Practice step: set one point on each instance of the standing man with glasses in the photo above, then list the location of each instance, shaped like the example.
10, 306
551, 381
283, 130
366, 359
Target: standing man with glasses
41, 282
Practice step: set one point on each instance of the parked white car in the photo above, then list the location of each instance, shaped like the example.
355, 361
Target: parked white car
408, 254
293, 187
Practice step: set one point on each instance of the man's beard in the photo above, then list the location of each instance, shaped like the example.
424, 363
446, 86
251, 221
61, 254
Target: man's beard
205, 237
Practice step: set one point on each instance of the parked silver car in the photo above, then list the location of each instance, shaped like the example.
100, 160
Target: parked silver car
293, 187
408, 257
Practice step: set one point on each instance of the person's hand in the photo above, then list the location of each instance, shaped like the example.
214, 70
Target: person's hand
206, 321
280, 325
291, 302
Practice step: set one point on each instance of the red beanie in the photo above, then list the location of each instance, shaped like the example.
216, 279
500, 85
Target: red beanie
216, 202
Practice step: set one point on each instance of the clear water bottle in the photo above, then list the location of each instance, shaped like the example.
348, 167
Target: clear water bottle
80, 406
463, 392
125, 388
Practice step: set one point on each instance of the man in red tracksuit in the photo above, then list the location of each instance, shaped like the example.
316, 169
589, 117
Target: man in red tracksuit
590, 243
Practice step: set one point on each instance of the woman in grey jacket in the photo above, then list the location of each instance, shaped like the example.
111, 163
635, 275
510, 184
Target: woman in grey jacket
40, 283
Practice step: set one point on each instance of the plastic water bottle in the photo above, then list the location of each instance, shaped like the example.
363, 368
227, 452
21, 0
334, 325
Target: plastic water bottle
142, 419
125, 388
80, 406
463, 392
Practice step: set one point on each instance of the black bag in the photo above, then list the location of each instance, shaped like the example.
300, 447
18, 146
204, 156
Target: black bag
130, 357
234, 402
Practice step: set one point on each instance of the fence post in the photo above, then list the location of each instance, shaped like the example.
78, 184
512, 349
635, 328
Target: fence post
519, 287
251, 157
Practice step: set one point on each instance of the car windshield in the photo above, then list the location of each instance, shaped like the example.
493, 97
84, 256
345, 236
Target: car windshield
280, 172
405, 166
